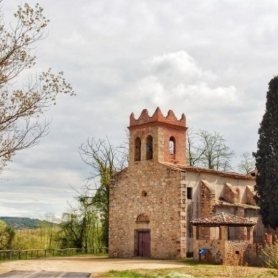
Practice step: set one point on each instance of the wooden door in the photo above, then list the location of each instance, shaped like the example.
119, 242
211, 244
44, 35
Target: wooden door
144, 243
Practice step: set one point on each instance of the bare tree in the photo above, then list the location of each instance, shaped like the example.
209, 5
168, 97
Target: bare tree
208, 150
21, 108
194, 153
105, 160
247, 164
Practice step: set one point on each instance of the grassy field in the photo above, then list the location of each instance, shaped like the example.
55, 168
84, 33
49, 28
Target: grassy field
195, 269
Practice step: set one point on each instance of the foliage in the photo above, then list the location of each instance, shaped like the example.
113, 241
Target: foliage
130, 274
247, 164
194, 269
6, 236
270, 254
21, 108
267, 159
80, 227
48, 229
33, 233
208, 150
105, 161
29, 239
42, 236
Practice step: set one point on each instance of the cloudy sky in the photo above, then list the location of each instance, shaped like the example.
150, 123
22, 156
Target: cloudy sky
209, 59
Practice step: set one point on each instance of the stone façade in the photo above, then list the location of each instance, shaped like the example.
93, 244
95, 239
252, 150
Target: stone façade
154, 199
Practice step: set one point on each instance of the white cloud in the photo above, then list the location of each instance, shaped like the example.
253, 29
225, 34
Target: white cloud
175, 81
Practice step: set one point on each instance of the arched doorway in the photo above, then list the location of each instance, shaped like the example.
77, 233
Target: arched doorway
142, 236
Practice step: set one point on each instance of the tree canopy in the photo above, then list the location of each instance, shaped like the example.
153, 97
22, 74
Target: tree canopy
267, 159
6, 235
22, 107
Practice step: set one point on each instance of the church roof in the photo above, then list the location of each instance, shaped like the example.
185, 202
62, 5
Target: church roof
223, 219
196, 169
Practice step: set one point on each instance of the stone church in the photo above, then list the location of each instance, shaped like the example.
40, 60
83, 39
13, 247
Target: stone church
154, 199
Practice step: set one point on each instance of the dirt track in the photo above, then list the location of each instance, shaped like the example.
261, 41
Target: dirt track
88, 264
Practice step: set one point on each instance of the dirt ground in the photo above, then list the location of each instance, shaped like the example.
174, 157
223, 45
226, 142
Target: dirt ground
88, 264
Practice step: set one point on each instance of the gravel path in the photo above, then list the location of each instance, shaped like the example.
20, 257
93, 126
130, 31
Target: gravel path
87, 265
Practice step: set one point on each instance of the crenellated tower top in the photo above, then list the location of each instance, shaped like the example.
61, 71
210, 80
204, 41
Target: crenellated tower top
157, 138
144, 118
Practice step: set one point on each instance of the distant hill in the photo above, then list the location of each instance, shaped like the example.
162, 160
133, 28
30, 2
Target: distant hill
20, 223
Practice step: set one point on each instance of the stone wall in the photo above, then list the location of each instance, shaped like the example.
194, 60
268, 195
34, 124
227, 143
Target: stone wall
229, 252
215, 251
250, 195
207, 202
217, 181
207, 199
234, 252
231, 194
158, 192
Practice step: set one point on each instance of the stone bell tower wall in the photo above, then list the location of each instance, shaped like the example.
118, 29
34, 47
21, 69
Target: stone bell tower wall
167, 135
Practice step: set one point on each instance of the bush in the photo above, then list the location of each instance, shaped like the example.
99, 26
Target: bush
270, 254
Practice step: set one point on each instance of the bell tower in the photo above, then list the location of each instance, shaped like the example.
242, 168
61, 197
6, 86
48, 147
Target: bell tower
157, 138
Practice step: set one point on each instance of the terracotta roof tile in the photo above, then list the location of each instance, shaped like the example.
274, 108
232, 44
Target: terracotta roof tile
222, 219
208, 171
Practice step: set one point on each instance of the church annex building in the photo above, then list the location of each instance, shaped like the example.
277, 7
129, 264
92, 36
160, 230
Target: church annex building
156, 199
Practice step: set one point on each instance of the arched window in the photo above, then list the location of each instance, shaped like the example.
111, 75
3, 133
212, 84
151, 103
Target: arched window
149, 147
143, 218
137, 149
172, 145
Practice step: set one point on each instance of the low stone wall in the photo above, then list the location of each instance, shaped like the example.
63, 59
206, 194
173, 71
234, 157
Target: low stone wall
215, 251
238, 252
234, 252
243, 253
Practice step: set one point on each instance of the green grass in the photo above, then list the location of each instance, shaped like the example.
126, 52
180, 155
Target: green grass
128, 273
134, 274
196, 269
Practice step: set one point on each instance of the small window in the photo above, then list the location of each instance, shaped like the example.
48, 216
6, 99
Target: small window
149, 147
172, 147
137, 149
144, 193
189, 193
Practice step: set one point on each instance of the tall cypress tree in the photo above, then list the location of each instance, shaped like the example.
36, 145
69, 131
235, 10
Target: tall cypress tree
267, 159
